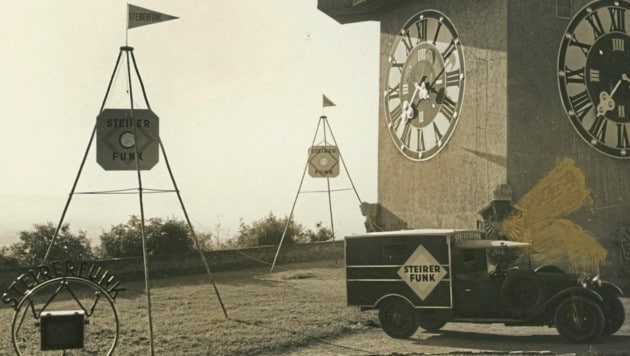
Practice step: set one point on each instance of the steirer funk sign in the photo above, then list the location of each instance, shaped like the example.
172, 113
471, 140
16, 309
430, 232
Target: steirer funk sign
323, 161
422, 272
124, 138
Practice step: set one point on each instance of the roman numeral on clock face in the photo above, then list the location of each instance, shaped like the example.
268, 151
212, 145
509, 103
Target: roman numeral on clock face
585, 47
395, 64
421, 27
437, 31
420, 137
438, 134
405, 137
598, 128
449, 50
396, 116
452, 78
581, 104
392, 93
622, 136
448, 108
406, 39
617, 19
575, 76
596, 24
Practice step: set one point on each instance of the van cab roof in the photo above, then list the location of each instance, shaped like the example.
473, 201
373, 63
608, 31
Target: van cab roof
414, 232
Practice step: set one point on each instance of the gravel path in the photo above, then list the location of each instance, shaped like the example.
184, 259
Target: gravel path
457, 338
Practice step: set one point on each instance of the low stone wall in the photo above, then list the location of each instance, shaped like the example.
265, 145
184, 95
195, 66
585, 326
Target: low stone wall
129, 269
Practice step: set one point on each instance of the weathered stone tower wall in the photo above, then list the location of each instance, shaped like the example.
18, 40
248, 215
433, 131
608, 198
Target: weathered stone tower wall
513, 138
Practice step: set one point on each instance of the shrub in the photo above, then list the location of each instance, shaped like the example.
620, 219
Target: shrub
162, 237
269, 230
33, 244
6, 260
321, 233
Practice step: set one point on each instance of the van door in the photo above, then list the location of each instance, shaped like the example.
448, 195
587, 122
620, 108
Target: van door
475, 292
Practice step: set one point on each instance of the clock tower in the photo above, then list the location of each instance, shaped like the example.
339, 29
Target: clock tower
519, 104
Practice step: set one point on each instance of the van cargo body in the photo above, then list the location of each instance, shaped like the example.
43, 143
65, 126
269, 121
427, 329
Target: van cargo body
413, 264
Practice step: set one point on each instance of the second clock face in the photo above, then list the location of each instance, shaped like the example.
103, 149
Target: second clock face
594, 75
424, 82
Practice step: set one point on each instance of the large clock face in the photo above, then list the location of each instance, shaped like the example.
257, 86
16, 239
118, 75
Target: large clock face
594, 75
424, 85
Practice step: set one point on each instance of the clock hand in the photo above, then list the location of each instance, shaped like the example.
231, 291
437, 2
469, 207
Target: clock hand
408, 107
424, 92
616, 86
411, 108
606, 101
414, 94
437, 77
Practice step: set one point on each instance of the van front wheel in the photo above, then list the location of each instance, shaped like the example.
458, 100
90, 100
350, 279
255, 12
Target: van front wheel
397, 318
579, 320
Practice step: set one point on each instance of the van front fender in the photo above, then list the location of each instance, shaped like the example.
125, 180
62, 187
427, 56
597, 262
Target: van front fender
611, 288
572, 292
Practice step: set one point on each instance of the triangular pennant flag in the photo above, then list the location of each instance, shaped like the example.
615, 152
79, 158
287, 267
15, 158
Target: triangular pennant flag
139, 16
327, 101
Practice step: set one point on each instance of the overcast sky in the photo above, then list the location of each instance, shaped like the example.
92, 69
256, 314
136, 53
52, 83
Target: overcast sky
237, 86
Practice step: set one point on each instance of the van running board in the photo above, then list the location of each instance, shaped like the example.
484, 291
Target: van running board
489, 321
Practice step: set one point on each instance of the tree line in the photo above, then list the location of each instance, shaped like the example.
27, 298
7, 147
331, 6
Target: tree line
162, 236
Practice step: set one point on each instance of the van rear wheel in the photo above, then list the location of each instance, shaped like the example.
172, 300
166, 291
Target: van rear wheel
398, 318
431, 324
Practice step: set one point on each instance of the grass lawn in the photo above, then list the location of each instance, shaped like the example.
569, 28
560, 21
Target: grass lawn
268, 313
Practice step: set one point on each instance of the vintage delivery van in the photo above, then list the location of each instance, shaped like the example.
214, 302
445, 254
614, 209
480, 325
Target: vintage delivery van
428, 277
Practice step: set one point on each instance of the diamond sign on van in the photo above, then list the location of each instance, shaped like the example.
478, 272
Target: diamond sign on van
422, 272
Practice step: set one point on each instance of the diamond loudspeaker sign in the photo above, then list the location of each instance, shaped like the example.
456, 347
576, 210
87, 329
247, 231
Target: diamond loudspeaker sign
323, 161
124, 139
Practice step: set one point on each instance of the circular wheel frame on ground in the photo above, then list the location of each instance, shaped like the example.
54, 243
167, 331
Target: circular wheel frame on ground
614, 314
522, 292
25, 305
579, 319
397, 318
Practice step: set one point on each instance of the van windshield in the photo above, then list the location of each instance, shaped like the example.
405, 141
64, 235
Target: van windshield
502, 259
